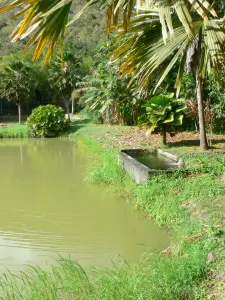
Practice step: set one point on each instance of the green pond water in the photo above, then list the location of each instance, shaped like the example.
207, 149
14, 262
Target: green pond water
48, 209
155, 161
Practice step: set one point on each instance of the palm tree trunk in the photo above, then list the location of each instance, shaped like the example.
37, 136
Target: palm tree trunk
202, 130
19, 112
164, 141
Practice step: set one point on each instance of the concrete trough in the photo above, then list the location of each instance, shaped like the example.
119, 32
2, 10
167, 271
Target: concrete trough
141, 172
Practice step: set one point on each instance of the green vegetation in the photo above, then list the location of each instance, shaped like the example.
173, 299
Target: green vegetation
16, 84
47, 121
177, 201
195, 54
14, 131
107, 95
63, 77
164, 279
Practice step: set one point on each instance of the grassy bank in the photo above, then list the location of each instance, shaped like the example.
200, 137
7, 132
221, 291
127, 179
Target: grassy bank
14, 131
189, 202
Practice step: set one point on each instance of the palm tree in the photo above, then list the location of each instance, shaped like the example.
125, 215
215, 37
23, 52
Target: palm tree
63, 76
200, 52
16, 84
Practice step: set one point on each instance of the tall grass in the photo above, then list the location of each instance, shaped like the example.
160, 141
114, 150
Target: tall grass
170, 200
163, 279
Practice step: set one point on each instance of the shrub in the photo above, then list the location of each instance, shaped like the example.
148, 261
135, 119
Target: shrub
163, 114
47, 121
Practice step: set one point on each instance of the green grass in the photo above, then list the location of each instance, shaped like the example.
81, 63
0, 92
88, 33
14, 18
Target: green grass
164, 278
14, 131
190, 201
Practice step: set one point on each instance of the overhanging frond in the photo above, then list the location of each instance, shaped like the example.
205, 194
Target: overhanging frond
143, 54
45, 21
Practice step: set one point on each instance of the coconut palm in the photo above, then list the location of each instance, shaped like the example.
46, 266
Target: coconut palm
16, 84
200, 53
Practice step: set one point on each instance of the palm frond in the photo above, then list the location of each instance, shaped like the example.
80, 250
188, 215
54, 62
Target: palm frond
45, 21
144, 53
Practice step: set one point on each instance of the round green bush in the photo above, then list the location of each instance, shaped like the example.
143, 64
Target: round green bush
47, 121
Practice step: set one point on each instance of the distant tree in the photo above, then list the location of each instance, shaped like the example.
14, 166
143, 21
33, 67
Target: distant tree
63, 74
16, 84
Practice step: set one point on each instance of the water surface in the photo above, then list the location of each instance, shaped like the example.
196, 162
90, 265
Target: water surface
48, 209
156, 162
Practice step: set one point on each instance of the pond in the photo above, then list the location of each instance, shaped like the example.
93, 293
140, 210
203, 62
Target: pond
48, 209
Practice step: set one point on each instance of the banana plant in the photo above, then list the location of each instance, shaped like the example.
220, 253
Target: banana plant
163, 114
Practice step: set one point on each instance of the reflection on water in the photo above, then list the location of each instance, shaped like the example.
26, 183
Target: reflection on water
48, 209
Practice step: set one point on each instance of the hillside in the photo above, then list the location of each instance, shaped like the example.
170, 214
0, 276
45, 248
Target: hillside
86, 32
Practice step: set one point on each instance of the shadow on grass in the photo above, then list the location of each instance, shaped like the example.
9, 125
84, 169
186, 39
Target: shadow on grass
76, 125
193, 143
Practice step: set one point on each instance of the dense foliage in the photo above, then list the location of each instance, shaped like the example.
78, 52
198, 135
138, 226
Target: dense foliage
106, 93
47, 121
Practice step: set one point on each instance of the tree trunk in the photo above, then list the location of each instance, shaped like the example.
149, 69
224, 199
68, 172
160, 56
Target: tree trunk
107, 116
119, 115
68, 110
202, 130
196, 125
67, 106
134, 114
164, 136
19, 112
72, 111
